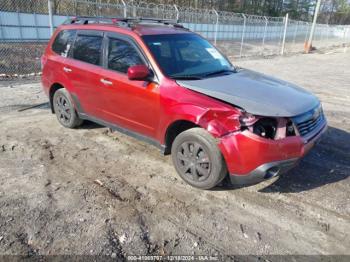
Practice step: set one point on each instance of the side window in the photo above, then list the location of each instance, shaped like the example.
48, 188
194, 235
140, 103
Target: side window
122, 55
63, 42
88, 48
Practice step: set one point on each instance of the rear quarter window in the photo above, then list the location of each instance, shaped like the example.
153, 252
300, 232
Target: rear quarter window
63, 42
88, 48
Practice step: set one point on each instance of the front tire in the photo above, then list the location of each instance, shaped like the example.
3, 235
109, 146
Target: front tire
64, 109
197, 158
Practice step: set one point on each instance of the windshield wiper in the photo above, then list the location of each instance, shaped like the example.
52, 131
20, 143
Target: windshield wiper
186, 77
219, 72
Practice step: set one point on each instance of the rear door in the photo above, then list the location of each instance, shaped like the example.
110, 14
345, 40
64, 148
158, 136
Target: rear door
54, 59
129, 103
83, 67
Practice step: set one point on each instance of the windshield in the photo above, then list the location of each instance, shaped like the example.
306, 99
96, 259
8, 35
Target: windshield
187, 56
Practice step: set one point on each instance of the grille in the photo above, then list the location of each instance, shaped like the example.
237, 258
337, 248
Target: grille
311, 121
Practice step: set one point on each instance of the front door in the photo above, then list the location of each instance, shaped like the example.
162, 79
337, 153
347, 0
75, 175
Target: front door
130, 104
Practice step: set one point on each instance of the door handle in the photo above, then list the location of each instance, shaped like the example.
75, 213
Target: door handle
106, 82
67, 69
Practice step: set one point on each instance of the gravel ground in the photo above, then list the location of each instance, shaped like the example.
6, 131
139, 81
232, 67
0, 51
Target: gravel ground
90, 191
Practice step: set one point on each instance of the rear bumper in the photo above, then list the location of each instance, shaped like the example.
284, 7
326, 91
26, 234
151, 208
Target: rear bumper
251, 159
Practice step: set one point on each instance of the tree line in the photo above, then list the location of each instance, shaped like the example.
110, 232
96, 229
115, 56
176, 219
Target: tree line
332, 11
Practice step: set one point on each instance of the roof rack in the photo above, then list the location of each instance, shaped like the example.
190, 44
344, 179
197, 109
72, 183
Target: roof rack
90, 20
125, 22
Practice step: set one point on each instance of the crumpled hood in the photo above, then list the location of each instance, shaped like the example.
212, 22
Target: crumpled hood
256, 93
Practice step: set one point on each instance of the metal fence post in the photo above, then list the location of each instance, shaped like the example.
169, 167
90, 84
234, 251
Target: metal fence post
36, 26
49, 6
177, 13
327, 33
307, 31
20, 25
308, 45
322, 33
344, 28
2, 35
295, 32
99, 8
265, 30
216, 26
243, 32
134, 11
284, 34
124, 9
346, 34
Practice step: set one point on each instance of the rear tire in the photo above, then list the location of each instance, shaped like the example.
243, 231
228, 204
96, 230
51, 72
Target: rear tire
197, 158
64, 109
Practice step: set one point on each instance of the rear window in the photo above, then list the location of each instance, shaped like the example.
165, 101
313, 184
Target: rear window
63, 42
88, 48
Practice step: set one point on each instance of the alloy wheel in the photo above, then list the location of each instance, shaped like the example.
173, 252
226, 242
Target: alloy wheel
193, 161
63, 109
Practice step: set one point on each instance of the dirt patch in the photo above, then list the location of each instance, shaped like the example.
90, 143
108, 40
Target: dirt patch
90, 191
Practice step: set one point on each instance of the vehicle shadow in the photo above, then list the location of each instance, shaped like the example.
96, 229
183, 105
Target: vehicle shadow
90, 125
46, 106
25, 107
328, 162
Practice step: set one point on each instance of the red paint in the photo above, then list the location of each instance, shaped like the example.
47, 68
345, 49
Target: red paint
138, 72
245, 151
150, 108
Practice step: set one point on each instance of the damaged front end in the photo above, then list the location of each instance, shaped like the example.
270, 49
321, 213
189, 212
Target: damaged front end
266, 147
306, 125
263, 136
268, 127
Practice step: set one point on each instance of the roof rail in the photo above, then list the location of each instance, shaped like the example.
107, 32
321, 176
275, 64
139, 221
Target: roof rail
126, 22
154, 20
91, 20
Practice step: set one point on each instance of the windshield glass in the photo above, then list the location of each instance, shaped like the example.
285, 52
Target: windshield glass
187, 56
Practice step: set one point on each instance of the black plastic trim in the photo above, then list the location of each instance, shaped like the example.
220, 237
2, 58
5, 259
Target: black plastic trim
124, 131
261, 173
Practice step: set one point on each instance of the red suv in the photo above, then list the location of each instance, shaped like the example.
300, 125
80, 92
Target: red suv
157, 81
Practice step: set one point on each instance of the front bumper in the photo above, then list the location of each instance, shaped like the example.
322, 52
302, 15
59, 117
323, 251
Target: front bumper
251, 159
264, 172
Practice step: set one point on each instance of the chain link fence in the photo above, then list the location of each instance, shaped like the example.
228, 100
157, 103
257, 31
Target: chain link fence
25, 29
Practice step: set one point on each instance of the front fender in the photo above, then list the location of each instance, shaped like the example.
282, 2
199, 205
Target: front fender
216, 121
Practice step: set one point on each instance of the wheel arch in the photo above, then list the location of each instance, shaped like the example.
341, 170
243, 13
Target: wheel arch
173, 130
54, 87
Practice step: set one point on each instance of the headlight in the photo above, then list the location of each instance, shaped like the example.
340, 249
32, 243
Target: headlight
265, 127
247, 119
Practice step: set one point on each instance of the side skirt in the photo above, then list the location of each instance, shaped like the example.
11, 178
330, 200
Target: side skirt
124, 131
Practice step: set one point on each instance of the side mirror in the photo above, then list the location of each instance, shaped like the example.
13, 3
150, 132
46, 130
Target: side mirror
138, 72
